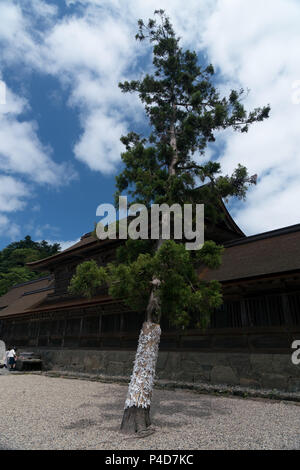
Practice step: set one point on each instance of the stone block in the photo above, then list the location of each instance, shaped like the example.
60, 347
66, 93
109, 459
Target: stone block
162, 360
210, 359
294, 385
224, 375
261, 363
276, 381
282, 364
115, 368
250, 383
183, 376
272, 371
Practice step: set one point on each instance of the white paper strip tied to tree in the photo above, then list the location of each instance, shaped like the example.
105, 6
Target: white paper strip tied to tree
137, 405
2, 350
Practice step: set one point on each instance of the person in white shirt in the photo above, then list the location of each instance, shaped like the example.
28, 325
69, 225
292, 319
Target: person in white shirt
12, 359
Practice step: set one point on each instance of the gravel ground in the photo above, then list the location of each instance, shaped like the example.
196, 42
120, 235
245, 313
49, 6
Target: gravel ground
57, 413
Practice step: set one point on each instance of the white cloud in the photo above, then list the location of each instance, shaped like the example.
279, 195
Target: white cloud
89, 53
100, 145
64, 244
41, 9
98, 43
8, 228
21, 150
40, 230
22, 155
253, 44
12, 194
259, 49
15, 36
272, 204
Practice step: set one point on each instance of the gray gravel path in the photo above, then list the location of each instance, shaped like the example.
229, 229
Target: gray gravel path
56, 413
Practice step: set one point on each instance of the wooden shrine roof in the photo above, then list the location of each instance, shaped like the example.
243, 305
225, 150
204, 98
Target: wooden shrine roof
253, 257
277, 251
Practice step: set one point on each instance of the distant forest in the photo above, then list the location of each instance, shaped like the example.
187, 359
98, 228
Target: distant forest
13, 259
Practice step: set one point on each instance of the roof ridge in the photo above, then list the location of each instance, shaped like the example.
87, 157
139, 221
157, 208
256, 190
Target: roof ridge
32, 281
261, 236
86, 235
42, 289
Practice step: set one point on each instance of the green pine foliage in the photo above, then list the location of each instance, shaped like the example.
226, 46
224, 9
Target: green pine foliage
181, 101
169, 165
183, 295
13, 259
89, 277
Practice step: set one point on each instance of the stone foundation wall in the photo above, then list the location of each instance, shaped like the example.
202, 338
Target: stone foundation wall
272, 371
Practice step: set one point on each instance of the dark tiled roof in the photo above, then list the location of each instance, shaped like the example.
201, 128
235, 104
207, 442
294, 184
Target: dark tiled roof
19, 290
274, 252
25, 303
88, 240
23, 297
35, 296
268, 253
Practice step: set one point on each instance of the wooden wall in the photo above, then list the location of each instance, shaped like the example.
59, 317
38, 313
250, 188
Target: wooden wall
268, 323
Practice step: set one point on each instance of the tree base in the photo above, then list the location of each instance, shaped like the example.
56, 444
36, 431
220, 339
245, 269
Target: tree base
137, 421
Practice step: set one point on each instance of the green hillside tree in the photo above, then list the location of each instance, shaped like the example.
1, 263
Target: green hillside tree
169, 165
13, 259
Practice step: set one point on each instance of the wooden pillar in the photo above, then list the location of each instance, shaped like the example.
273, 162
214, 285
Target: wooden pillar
244, 315
100, 325
99, 343
48, 331
80, 331
38, 332
64, 333
287, 314
121, 322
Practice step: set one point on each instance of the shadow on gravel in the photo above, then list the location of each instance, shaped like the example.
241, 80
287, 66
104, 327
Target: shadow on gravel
81, 424
163, 411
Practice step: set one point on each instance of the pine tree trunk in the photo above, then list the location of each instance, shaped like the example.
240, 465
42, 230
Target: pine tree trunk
136, 418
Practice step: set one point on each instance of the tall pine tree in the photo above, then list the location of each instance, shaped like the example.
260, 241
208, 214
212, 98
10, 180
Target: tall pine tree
160, 277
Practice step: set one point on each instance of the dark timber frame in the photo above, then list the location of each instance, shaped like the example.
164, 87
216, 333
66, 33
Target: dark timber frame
261, 310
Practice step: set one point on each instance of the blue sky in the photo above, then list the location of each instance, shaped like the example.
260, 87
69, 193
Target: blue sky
61, 62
